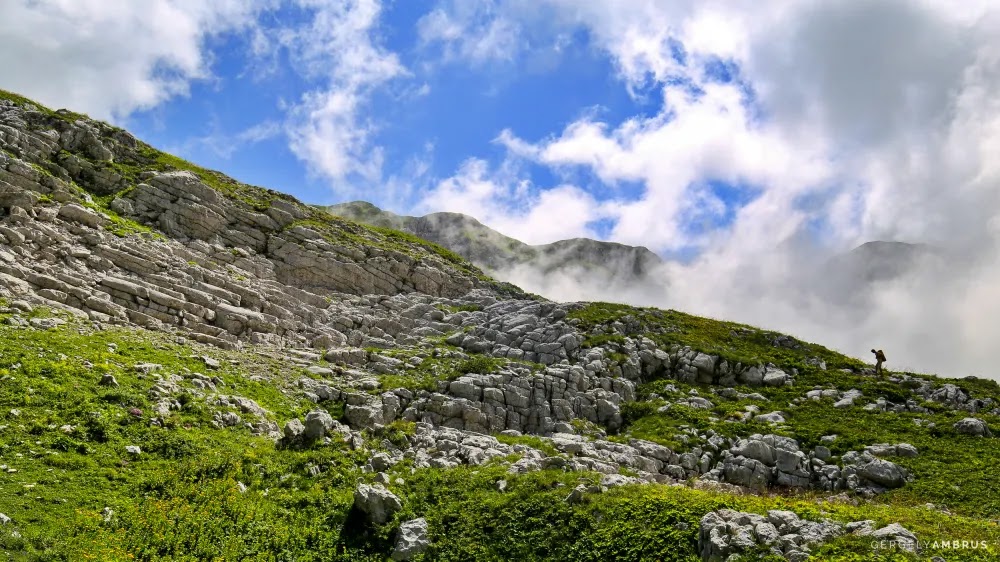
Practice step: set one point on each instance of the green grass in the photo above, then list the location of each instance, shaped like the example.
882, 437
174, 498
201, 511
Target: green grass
532, 441
180, 499
452, 309
729, 340
951, 470
61, 114
436, 368
470, 520
480, 364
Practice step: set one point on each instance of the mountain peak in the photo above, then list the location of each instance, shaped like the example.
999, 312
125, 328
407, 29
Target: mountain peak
605, 263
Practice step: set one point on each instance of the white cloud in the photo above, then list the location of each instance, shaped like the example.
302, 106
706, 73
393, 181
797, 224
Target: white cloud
225, 145
476, 31
515, 207
112, 58
694, 139
328, 129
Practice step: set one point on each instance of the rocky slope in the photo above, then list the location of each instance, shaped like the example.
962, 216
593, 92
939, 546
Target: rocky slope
194, 368
223, 261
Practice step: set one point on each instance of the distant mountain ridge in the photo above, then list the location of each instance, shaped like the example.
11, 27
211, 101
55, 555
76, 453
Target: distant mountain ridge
601, 262
582, 268
851, 277
883, 260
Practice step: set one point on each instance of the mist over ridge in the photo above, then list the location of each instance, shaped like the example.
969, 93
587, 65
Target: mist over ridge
916, 301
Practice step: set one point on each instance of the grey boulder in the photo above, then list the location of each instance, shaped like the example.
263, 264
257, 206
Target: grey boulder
973, 426
884, 473
411, 539
378, 503
897, 534
318, 422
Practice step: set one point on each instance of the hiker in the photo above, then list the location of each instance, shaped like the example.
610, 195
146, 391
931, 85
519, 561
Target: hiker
879, 359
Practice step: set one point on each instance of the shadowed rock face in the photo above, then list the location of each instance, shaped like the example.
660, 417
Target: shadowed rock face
496, 252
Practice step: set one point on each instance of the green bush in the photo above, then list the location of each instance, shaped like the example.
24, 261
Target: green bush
633, 411
479, 364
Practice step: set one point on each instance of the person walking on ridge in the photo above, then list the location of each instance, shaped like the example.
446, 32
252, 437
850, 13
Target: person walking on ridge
879, 359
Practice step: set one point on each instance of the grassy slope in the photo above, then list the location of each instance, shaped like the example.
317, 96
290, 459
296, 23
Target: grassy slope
952, 470
179, 499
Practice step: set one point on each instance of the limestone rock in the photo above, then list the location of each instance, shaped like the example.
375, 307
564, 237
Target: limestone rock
890, 450
82, 215
411, 539
378, 503
726, 533
363, 416
317, 423
294, 429
973, 426
884, 473
775, 377
861, 528
773, 417
898, 535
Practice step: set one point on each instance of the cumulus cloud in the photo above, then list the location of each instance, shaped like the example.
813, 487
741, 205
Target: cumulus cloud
708, 136
112, 58
514, 207
328, 127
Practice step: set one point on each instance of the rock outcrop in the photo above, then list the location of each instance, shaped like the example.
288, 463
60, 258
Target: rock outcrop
725, 533
973, 426
411, 539
224, 262
376, 502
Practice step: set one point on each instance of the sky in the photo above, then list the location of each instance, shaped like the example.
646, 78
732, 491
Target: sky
743, 141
